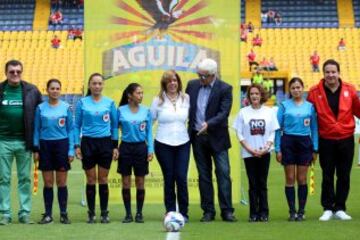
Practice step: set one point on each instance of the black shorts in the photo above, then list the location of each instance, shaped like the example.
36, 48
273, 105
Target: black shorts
54, 155
296, 150
96, 151
133, 156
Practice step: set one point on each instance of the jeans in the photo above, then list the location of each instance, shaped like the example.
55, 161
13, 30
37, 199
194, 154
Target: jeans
203, 154
174, 163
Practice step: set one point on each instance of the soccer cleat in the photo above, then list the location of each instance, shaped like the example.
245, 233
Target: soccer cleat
46, 219
341, 215
91, 218
5, 221
300, 217
253, 218
139, 218
64, 218
25, 219
128, 218
292, 217
326, 216
264, 218
104, 218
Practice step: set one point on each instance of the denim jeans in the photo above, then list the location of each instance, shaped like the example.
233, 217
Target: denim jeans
174, 163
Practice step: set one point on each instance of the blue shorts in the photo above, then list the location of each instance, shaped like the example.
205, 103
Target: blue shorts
296, 150
96, 151
54, 155
133, 156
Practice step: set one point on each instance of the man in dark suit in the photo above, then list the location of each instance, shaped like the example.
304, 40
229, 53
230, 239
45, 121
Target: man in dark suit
210, 104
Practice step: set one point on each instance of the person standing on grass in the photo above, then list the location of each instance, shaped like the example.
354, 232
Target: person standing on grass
296, 145
18, 101
54, 148
96, 120
255, 127
136, 148
336, 103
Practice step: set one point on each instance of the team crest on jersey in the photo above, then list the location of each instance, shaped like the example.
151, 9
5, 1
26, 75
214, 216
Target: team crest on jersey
257, 126
306, 122
106, 117
142, 126
62, 122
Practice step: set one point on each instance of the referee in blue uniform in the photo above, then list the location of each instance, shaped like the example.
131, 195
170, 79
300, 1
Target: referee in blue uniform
54, 148
96, 122
136, 148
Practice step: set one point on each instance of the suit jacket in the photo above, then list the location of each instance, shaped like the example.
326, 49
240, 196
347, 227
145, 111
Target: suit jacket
216, 113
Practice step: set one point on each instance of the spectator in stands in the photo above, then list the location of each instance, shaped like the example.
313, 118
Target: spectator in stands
250, 27
71, 34
55, 42
270, 16
251, 59
56, 17
19, 100
244, 34
277, 18
264, 64
268, 85
257, 41
264, 17
336, 103
272, 65
315, 60
341, 45
78, 34
257, 77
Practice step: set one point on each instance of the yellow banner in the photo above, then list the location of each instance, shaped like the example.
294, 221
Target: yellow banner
136, 40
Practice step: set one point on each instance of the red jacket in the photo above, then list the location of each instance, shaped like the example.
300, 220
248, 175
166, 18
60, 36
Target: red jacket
331, 127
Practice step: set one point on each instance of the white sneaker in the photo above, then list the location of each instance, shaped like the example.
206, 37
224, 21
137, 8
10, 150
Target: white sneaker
327, 215
341, 215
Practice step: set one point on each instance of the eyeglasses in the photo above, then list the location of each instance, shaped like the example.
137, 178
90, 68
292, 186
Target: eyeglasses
203, 76
18, 72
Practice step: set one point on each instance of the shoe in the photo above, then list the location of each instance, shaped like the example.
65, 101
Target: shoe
264, 218
46, 219
64, 218
326, 216
5, 221
300, 217
91, 217
228, 217
104, 217
128, 218
139, 218
341, 215
25, 219
292, 217
207, 217
253, 218
186, 218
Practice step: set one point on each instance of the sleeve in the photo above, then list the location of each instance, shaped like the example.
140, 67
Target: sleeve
274, 126
356, 105
314, 129
78, 122
153, 109
224, 111
280, 118
238, 126
70, 131
114, 125
149, 136
37, 127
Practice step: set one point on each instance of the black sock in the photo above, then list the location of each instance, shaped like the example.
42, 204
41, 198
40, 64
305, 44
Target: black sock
290, 197
62, 198
48, 195
90, 197
127, 200
302, 195
104, 196
140, 196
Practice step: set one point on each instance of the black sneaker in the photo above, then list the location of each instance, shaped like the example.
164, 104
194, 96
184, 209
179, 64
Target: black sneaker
292, 217
91, 218
128, 219
104, 218
46, 219
139, 218
253, 218
264, 218
64, 218
300, 217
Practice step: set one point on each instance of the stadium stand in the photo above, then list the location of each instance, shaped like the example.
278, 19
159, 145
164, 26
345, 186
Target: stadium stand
73, 18
356, 5
16, 15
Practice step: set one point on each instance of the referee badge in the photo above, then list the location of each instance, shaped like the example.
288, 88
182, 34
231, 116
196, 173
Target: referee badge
106, 117
142, 126
306, 122
61, 122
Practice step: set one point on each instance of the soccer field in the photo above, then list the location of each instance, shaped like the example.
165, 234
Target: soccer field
276, 228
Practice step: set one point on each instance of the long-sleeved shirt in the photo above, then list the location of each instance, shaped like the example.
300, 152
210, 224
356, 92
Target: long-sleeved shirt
297, 120
96, 119
136, 127
54, 123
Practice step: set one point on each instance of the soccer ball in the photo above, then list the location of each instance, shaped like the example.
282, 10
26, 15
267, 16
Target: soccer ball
173, 222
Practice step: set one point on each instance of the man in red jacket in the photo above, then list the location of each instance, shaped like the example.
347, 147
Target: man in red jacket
336, 103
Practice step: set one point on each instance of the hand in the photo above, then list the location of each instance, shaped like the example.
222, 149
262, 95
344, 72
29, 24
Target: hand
255, 153
314, 157
279, 157
78, 153
150, 157
36, 157
115, 154
71, 158
203, 129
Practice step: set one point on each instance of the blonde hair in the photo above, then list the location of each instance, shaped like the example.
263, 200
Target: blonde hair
165, 79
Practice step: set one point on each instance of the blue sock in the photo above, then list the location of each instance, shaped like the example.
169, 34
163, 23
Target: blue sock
62, 198
48, 195
302, 195
290, 197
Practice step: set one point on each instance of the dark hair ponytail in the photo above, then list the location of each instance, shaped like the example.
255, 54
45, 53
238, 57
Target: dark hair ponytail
88, 93
130, 89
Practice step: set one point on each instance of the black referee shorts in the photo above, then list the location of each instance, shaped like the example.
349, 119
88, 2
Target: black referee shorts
96, 151
133, 156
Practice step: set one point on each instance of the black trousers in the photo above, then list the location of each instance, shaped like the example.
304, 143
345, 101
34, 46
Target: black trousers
257, 170
335, 155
